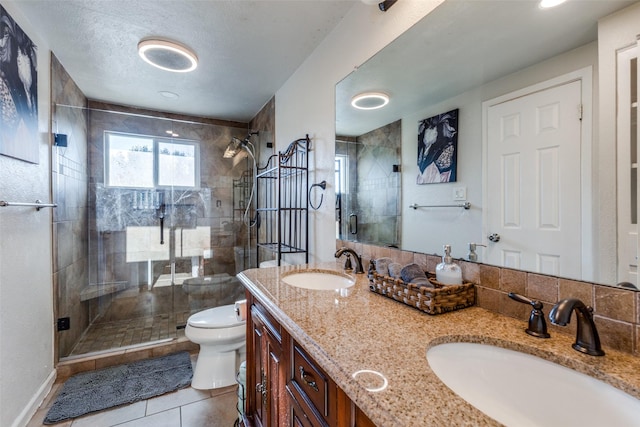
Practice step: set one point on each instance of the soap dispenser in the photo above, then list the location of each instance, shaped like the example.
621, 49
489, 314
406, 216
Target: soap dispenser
447, 272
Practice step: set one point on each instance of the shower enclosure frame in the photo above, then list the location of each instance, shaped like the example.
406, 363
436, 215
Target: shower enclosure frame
217, 196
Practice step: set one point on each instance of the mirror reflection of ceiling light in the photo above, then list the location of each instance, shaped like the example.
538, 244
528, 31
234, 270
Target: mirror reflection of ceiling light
370, 101
545, 4
167, 55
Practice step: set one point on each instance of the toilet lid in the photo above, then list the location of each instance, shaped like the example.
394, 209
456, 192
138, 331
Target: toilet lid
215, 318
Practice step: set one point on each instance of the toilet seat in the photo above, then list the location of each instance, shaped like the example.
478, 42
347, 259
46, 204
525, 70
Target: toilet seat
215, 318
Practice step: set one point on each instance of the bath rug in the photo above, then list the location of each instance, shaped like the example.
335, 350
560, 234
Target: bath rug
106, 388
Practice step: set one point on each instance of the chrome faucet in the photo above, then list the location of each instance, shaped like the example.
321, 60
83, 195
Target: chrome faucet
358, 268
587, 339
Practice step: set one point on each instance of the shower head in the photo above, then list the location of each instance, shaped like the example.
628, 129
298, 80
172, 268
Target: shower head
233, 148
236, 145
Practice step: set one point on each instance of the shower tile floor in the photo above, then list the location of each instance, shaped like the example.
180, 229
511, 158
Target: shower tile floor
116, 334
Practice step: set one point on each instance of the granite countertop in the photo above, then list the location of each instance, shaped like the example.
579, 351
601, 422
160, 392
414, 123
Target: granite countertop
354, 329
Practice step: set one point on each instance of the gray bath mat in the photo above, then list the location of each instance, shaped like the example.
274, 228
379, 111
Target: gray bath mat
117, 385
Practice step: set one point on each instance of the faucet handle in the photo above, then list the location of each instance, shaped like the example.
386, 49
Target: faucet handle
537, 323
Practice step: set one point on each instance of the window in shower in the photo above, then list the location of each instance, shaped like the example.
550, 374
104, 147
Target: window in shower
135, 161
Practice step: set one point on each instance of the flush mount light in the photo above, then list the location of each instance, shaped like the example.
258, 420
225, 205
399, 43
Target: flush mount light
383, 5
545, 4
370, 100
167, 55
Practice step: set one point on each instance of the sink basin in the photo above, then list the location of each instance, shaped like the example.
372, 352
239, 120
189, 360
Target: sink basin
318, 280
519, 389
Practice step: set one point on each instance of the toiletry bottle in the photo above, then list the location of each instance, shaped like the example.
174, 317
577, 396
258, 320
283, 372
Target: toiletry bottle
447, 272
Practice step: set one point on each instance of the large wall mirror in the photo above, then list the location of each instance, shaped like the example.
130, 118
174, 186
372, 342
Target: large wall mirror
513, 74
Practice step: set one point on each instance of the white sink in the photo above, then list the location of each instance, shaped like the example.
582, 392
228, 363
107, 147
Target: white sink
318, 280
519, 389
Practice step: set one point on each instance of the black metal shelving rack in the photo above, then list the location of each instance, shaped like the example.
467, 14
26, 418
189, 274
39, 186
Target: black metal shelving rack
283, 204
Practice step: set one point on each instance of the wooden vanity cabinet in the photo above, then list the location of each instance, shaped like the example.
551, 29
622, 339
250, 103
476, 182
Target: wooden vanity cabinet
266, 370
285, 386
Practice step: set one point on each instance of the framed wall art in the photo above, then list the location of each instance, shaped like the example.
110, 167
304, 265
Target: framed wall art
18, 92
438, 148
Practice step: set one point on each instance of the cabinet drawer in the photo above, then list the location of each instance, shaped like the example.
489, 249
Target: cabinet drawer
300, 416
308, 380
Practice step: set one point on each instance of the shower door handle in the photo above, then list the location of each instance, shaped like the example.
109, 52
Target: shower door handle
161, 211
353, 224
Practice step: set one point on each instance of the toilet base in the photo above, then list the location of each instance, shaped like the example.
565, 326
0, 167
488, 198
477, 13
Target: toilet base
214, 369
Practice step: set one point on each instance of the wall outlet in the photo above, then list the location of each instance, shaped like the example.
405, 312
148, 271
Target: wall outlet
460, 194
64, 324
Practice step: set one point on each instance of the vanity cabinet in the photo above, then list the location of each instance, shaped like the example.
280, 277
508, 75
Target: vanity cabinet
266, 374
285, 386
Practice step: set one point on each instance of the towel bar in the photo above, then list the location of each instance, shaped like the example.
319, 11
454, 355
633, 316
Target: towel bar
37, 204
465, 205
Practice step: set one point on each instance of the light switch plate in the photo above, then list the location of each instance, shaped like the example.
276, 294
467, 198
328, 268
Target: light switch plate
460, 194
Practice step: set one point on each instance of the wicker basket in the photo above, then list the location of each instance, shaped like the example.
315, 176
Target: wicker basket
437, 300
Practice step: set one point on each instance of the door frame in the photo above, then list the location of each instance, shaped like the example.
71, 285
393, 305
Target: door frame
623, 200
585, 75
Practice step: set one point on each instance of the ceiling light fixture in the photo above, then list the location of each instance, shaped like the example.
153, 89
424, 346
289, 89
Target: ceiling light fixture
383, 5
167, 55
370, 100
546, 4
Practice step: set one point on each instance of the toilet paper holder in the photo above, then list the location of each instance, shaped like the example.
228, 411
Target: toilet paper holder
240, 308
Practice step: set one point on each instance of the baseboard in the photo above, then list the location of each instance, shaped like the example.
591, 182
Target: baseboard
29, 411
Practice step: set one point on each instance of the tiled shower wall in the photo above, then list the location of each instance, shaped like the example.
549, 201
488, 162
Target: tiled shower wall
211, 205
616, 310
69, 188
374, 186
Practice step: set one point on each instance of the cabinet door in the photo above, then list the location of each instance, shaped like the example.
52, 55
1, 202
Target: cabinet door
276, 400
267, 403
257, 402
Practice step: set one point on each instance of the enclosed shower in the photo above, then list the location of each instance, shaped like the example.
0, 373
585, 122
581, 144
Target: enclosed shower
153, 224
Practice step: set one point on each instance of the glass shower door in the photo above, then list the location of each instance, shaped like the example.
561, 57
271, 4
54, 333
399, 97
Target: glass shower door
146, 237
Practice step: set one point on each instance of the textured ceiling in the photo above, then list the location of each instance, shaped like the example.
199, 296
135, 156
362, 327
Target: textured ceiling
462, 45
246, 49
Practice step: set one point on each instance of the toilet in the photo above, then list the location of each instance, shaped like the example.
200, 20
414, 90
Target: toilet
221, 336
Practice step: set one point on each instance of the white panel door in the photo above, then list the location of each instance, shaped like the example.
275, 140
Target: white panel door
627, 145
533, 180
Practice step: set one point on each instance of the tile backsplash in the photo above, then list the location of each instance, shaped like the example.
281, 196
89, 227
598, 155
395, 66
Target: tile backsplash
616, 310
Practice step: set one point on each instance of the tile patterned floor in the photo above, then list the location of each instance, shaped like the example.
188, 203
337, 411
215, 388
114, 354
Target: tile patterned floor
187, 407
116, 334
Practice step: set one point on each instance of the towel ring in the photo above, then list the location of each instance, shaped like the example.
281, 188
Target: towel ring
322, 185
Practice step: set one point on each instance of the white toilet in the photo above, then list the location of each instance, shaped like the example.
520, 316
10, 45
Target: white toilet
221, 336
